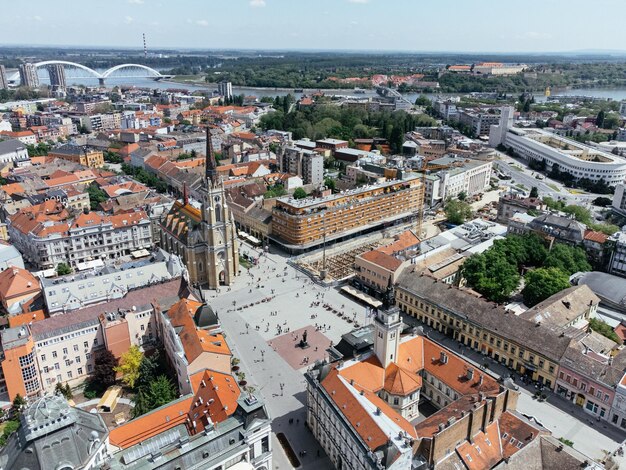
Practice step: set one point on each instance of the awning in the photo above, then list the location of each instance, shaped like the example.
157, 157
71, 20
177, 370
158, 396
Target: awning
362, 296
109, 399
139, 253
254, 239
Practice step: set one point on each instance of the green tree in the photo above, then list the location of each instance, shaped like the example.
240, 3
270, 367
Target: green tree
568, 259
18, 405
534, 192
63, 390
63, 269
148, 370
9, 428
491, 274
581, 214
158, 392
541, 283
462, 196
96, 196
330, 183
299, 193
457, 212
600, 118
604, 329
104, 368
129, 365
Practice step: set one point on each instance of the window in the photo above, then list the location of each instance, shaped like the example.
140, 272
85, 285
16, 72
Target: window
77, 359
80, 371
69, 374
76, 347
65, 351
85, 344
54, 354
67, 362
43, 357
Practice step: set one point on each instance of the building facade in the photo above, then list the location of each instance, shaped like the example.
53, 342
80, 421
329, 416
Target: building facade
305, 223
28, 75
82, 155
204, 238
307, 164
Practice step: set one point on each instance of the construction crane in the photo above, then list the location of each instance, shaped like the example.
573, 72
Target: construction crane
427, 168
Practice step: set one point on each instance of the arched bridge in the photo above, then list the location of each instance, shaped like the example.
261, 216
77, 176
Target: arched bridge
146, 72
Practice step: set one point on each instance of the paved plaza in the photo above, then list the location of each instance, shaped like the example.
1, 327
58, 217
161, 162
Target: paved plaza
273, 295
272, 303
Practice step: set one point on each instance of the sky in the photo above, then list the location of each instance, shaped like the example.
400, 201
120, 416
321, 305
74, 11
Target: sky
386, 25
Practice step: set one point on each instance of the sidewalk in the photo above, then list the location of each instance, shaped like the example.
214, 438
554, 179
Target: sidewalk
562, 417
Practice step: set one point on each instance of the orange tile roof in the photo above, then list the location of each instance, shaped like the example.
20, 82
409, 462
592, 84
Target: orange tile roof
12, 188
361, 419
381, 259
400, 382
151, 424
454, 371
514, 430
594, 236
405, 240
368, 374
484, 452
411, 355
216, 398
16, 282
26, 318
195, 341
114, 190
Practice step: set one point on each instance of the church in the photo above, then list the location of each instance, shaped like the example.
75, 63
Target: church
205, 238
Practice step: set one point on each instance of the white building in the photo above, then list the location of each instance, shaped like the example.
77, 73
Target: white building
105, 283
13, 151
307, 164
617, 265
46, 243
225, 89
579, 160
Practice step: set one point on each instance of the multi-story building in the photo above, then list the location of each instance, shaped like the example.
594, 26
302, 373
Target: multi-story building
83, 155
331, 144
4, 82
28, 75
527, 347
510, 204
57, 76
307, 164
14, 151
618, 408
479, 122
302, 224
569, 156
619, 200
617, 263
54, 434
193, 341
107, 282
46, 235
464, 176
363, 410
225, 89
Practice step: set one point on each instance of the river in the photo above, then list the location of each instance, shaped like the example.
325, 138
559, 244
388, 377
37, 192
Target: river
617, 94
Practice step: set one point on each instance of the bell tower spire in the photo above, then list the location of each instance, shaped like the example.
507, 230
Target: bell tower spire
210, 163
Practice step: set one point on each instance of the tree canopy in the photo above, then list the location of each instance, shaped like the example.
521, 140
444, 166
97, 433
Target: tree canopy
541, 283
568, 259
457, 211
299, 193
129, 365
104, 368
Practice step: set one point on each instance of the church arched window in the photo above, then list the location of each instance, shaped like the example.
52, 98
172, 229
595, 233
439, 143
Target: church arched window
218, 213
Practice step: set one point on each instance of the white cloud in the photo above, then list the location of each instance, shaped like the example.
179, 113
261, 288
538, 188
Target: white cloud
128, 19
257, 3
204, 23
37, 18
136, 2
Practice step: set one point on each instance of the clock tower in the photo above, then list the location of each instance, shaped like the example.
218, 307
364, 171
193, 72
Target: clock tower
205, 238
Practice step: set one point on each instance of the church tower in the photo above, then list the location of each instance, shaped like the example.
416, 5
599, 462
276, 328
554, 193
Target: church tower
218, 226
387, 328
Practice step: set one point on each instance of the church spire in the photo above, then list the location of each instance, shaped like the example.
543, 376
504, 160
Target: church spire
210, 164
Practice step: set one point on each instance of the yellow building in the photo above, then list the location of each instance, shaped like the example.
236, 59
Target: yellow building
300, 224
529, 348
82, 155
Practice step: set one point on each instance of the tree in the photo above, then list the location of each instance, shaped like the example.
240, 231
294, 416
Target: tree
129, 365
158, 392
462, 196
63, 269
104, 368
604, 329
149, 369
602, 201
581, 214
568, 259
63, 390
457, 211
18, 405
96, 196
330, 183
534, 192
541, 283
299, 193
600, 118
491, 274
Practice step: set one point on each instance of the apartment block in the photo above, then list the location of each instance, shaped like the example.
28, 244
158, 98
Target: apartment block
82, 155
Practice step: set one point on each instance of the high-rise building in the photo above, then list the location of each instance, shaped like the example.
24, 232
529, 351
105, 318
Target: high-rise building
307, 164
57, 76
4, 83
28, 75
225, 89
